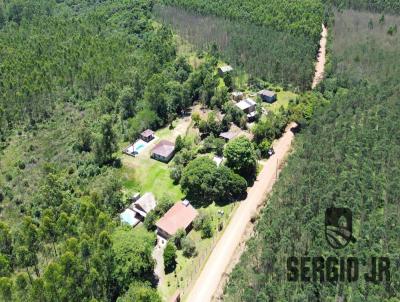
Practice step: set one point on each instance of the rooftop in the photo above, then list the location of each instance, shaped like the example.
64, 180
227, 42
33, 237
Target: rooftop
164, 148
229, 135
226, 68
146, 203
147, 133
267, 92
180, 216
246, 103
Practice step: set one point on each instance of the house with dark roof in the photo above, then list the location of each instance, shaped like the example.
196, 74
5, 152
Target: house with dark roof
147, 135
224, 69
267, 95
180, 216
163, 151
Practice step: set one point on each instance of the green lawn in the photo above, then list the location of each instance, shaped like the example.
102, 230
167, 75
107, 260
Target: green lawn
283, 98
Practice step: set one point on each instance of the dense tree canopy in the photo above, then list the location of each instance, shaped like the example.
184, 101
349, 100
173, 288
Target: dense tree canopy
204, 182
346, 157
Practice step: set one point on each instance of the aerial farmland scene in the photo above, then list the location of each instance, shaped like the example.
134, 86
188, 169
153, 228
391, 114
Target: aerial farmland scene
199, 151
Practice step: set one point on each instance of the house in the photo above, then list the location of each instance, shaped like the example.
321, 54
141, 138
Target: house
267, 95
180, 216
224, 70
147, 135
227, 136
237, 96
163, 151
139, 209
248, 106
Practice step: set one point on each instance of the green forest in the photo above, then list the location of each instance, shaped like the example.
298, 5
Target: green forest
346, 157
388, 6
81, 79
76, 79
299, 17
279, 57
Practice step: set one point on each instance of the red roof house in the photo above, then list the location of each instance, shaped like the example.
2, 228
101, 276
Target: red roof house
180, 216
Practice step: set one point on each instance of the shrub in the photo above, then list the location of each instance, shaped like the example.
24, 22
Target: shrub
188, 248
178, 238
169, 258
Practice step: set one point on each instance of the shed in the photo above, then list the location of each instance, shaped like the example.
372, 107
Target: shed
267, 95
163, 151
180, 216
227, 136
147, 135
144, 204
237, 96
224, 69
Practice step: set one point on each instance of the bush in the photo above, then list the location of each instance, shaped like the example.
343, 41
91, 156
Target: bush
188, 248
169, 258
178, 238
206, 229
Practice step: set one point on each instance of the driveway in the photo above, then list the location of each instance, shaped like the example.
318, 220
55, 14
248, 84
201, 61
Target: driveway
213, 271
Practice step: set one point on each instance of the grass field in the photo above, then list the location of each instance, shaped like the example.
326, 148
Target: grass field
283, 98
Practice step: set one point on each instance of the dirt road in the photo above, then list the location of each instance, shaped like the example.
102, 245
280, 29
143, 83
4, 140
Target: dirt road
207, 283
320, 67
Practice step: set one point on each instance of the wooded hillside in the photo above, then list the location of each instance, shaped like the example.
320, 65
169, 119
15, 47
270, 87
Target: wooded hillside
300, 16
348, 156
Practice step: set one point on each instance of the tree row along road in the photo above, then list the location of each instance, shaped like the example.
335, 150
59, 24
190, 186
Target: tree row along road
208, 281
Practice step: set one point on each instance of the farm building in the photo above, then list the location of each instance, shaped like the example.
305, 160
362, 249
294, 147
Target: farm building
248, 106
237, 96
227, 136
224, 70
147, 135
139, 209
267, 95
163, 151
180, 216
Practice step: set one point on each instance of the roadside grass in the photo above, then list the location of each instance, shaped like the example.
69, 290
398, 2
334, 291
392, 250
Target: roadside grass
187, 269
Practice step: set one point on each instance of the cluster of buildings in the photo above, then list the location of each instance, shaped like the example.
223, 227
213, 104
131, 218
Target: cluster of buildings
163, 151
248, 105
179, 216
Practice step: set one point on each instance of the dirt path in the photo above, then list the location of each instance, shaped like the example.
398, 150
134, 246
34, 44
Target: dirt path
220, 258
320, 67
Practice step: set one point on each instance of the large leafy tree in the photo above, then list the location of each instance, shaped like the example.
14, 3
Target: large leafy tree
241, 157
132, 256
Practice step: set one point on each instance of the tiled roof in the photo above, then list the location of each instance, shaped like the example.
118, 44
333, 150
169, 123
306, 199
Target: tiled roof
180, 216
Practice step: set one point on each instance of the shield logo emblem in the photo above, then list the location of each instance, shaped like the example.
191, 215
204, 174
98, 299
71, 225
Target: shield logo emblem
339, 227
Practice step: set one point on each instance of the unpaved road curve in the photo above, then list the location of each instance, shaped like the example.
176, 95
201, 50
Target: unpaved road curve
208, 281
320, 67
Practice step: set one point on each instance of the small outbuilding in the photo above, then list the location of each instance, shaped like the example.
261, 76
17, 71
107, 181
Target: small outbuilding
237, 96
248, 106
227, 136
139, 209
224, 70
180, 216
267, 95
163, 151
147, 135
